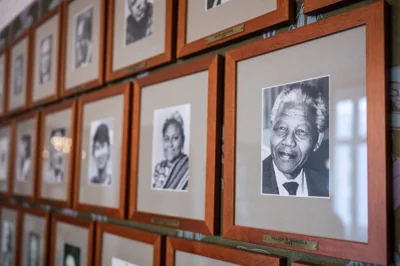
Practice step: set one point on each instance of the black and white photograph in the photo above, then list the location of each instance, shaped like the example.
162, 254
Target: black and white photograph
171, 141
138, 20
295, 139
33, 249
4, 147
8, 243
18, 74
72, 255
24, 159
83, 38
46, 47
100, 159
214, 3
55, 169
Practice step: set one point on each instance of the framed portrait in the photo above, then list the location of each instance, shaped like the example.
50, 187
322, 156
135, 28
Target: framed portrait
46, 42
141, 28
6, 155
101, 151
314, 6
83, 45
25, 19
10, 235
71, 241
4, 80
19, 75
26, 131
122, 246
182, 252
56, 163
175, 161
200, 26
35, 232
311, 147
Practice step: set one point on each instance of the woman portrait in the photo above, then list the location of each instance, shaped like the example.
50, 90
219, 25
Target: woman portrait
172, 172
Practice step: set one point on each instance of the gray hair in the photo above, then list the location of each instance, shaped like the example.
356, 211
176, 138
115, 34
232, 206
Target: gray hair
302, 93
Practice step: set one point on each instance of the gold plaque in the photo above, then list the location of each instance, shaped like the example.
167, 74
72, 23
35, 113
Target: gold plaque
135, 67
167, 222
225, 34
297, 243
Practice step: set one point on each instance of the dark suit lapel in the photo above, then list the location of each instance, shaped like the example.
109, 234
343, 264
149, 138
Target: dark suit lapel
270, 186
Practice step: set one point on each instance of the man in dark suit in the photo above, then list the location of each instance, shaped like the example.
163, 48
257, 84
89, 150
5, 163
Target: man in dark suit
299, 119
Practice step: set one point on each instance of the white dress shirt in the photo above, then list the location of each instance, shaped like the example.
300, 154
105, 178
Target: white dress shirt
302, 190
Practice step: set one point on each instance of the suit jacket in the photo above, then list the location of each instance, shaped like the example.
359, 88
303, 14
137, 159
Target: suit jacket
317, 184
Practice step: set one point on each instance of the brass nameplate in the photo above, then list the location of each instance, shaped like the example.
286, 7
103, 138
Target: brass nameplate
297, 243
167, 222
225, 34
135, 67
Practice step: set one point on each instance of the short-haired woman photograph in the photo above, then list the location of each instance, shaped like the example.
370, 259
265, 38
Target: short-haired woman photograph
171, 148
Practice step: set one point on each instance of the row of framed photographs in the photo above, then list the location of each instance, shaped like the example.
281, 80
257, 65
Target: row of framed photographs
305, 137
34, 237
67, 51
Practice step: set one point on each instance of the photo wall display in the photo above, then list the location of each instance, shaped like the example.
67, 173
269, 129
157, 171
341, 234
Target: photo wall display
34, 237
71, 241
122, 246
46, 40
4, 61
176, 147
26, 132
182, 252
200, 26
143, 29
316, 146
83, 45
101, 151
19, 87
57, 149
6, 155
10, 235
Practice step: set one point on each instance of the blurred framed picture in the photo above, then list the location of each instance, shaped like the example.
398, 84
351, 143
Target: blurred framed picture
46, 42
56, 163
4, 69
19, 74
6, 155
72, 241
83, 45
26, 131
10, 235
310, 147
176, 147
101, 151
34, 235
200, 26
182, 252
122, 246
314, 6
142, 29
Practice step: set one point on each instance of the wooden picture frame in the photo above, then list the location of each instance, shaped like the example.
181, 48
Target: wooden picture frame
155, 240
42, 214
11, 126
18, 227
210, 224
36, 117
220, 253
88, 84
27, 78
158, 59
57, 45
6, 67
375, 250
123, 89
72, 105
282, 14
315, 6
87, 224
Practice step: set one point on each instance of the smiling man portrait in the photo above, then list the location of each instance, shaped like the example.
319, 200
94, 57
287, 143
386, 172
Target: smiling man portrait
298, 121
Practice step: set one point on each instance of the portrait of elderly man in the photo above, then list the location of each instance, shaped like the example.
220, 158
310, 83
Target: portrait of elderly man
298, 121
139, 20
45, 59
83, 38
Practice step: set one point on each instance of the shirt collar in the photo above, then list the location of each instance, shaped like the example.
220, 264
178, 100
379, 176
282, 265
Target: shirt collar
281, 179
